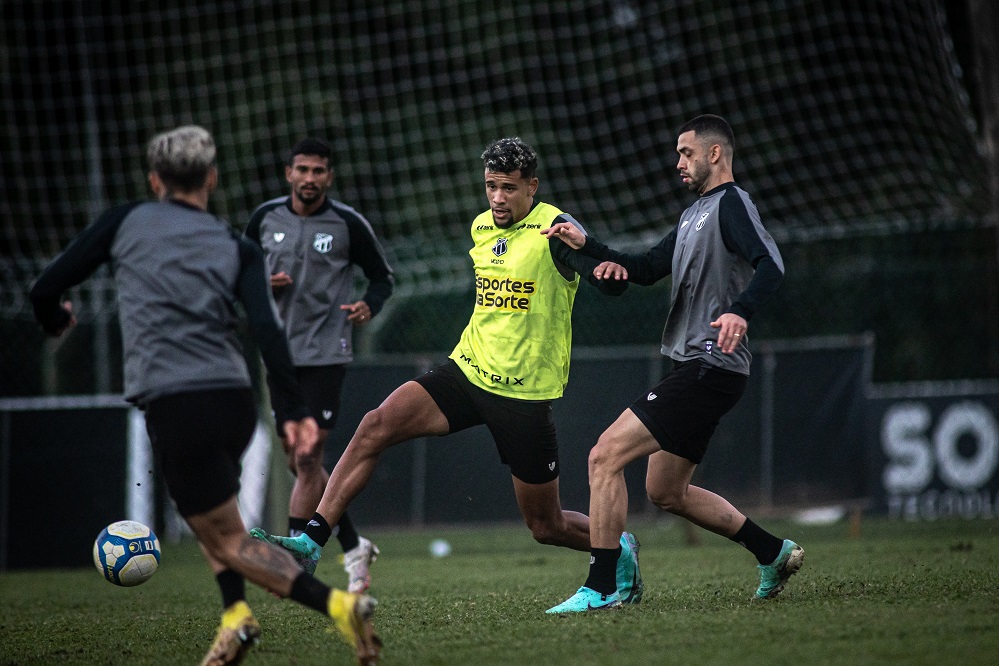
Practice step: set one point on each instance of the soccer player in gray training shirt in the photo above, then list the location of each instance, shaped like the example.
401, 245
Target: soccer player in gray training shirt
725, 266
179, 272
311, 244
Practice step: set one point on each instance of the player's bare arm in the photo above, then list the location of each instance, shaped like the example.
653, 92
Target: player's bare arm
731, 328
567, 233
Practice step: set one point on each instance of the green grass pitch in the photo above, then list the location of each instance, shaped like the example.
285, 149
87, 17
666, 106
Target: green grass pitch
901, 593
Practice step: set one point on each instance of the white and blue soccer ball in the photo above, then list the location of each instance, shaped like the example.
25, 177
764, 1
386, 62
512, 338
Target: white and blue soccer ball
127, 553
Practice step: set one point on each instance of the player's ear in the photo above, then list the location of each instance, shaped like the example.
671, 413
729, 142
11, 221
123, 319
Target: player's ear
212, 180
156, 185
532, 187
287, 173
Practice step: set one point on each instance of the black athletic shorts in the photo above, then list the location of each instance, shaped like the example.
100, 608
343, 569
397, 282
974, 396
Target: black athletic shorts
524, 430
198, 439
321, 387
683, 410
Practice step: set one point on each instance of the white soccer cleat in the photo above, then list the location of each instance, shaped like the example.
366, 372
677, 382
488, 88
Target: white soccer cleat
356, 563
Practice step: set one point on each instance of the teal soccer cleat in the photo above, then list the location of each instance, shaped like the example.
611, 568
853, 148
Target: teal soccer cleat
774, 576
586, 599
305, 551
629, 579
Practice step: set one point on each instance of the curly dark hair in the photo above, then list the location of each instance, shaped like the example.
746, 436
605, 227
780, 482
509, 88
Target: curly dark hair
510, 154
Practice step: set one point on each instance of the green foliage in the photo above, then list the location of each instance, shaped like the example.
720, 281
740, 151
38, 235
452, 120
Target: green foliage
902, 593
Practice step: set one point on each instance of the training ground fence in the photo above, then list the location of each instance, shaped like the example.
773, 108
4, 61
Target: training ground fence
813, 439
858, 133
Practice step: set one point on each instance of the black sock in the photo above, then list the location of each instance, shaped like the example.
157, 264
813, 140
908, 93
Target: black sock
345, 533
310, 592
297, 526
233, 587
603, 570
318, 530
764, 545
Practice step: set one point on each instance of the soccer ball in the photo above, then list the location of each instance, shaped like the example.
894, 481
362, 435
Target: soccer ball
127, 553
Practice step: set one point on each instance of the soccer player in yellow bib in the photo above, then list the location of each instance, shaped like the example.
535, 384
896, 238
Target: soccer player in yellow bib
511, 362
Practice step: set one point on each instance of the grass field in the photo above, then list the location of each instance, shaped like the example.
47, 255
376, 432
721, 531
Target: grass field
902, 593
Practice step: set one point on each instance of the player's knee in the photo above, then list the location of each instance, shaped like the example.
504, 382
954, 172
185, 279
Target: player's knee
601, 460
544, 531
375, 429
306, 465
221, 545
667, 499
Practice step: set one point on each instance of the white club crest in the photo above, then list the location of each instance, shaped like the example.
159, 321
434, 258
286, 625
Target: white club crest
500, 248
278, 236
323, 242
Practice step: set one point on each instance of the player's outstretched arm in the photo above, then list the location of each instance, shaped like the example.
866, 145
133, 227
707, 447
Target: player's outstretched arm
566, 232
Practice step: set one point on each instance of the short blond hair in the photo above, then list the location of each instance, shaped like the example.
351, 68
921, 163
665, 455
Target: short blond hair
182, 157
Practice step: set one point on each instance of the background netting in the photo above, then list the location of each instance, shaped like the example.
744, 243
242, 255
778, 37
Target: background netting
855, 135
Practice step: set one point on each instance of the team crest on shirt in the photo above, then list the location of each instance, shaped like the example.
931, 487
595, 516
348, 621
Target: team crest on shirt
278, 236
323, 242
700, 222
500, 248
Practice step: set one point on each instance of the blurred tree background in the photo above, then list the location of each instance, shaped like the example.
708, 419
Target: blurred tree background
862, 131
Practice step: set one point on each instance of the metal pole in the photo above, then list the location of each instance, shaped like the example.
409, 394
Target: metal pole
4, 486
96, 203
984, 21
418, 498
767, 402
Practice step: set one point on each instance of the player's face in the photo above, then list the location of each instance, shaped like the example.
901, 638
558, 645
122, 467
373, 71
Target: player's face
510, 196
310, 176
694, 166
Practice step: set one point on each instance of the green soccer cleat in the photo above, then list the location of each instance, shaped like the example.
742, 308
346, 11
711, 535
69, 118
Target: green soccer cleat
305, 551
774, 576
586, 599
629, 579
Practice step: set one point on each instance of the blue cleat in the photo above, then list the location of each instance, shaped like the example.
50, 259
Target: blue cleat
629, 579
774, 576
305, 551
586, 599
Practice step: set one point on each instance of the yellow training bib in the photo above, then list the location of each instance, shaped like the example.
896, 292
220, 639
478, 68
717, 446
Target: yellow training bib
518, 341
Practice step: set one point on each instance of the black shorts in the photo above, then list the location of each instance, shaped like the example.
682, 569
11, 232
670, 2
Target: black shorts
321, 388
198, 439
524, 430
683, 410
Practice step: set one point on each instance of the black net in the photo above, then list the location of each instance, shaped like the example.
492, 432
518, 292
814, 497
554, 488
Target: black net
852, 124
